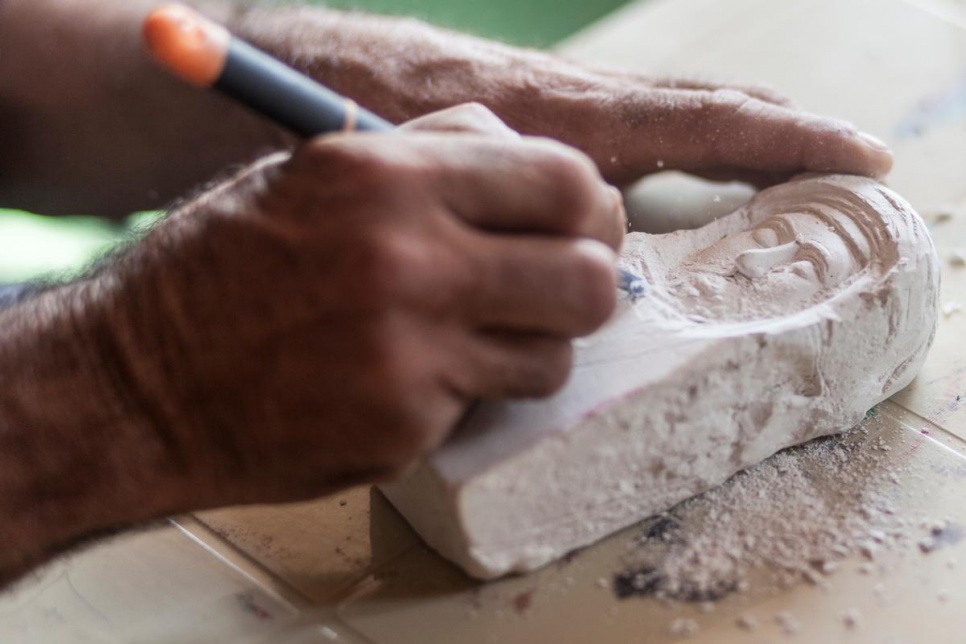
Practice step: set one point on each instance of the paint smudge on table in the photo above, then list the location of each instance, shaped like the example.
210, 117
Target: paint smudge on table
249, 604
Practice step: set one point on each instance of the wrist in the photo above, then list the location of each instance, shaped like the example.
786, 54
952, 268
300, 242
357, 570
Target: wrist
399, 68
79, 455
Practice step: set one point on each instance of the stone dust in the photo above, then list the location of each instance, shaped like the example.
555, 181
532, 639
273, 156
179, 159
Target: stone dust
794, 517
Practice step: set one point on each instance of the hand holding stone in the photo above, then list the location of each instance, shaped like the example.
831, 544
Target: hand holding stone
326, 318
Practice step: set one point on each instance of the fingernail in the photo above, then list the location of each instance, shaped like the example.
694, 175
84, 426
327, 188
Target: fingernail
872, 141
618, 199
597, 249
616, 195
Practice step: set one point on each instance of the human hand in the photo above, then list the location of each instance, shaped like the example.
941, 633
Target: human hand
326, 318
630, 123
633, 125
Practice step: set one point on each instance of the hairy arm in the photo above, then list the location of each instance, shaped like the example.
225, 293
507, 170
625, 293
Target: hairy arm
77, 454
89, 124
322, 319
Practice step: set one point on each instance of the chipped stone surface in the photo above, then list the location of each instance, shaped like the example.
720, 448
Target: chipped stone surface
660, 408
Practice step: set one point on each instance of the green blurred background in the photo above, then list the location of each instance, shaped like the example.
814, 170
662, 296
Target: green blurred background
537, 23
33, 246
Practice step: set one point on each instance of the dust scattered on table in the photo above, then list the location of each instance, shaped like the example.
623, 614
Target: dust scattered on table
951, 308
800, 516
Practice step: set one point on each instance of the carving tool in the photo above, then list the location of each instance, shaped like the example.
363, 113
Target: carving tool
205, 54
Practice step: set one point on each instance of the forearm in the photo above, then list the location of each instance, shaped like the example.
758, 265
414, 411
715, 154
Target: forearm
89, 124
77, 455
631, 124
398, 67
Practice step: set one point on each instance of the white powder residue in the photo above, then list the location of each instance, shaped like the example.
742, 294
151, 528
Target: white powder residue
797, 516
788, 623
951, 308
683, 627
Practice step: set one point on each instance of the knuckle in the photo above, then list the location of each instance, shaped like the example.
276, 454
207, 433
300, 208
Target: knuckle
345, 163
726, 99
466, 117
568, 164
768, 93
578, 185
718, 109
328, 153
740, 107
263, 171
475, 111
723, 122
480, 118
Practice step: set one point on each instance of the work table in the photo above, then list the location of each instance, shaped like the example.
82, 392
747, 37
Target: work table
348, 569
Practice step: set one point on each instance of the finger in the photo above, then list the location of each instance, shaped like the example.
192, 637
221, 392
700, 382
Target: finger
724, 129
761, 136
471, 118
760, 92
532, 185
562, 287
647, 81
521, 185
514, 365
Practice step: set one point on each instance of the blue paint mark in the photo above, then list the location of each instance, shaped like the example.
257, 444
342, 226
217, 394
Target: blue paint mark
250, 605
945, 107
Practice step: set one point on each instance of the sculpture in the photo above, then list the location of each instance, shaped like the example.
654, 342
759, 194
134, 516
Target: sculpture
781, 322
